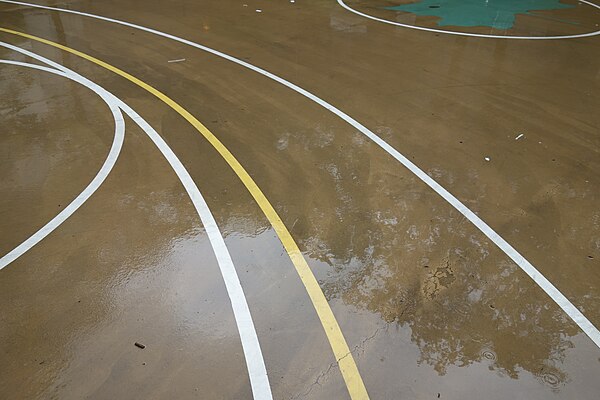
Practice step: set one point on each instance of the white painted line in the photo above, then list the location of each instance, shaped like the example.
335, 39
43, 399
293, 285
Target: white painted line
255, 364
479, 35
108, 165
577, 316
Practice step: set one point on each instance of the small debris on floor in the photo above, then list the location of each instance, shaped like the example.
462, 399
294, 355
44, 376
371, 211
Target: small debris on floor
176, 61
486, 158
258, 10
519, 137
141, 346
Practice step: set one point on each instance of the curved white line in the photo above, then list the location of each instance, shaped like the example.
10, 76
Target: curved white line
577, 316
479, 35
255, 363
257, 371
108, 165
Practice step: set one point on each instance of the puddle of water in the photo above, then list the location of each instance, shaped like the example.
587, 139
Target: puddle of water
498, 14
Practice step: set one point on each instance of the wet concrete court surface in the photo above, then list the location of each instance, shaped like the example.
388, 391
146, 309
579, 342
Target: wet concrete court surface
429, 305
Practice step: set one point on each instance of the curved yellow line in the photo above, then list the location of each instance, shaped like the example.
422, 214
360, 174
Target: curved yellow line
342, 353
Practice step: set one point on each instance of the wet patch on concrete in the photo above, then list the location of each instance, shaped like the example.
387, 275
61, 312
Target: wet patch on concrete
438, 280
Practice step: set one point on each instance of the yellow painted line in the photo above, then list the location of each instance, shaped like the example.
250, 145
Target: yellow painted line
342, 353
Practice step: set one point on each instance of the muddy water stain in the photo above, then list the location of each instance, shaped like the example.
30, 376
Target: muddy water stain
498, 14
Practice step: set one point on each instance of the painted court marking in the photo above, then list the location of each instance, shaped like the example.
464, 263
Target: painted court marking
343, 355
107, 166
479, 35
573, 312
254, 359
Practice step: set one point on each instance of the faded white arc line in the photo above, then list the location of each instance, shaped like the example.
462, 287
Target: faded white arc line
577, 316
479, 35
89, 190
257, 371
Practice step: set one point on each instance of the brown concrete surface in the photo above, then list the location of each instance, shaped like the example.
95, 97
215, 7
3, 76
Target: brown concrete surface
430, 307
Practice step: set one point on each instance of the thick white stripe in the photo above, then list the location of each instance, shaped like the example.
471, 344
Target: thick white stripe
109, 163
252, 352
564, 303
479, 35
254, 359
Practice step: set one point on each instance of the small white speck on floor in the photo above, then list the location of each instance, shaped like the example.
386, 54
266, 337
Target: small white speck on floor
486, 158
520, 136
258, 10
176, 61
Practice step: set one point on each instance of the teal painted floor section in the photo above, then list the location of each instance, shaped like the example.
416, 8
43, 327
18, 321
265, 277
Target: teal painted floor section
498, 14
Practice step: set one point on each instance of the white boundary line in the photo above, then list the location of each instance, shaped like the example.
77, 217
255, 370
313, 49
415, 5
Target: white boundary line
573, 312
107, 166
479, 35
257, 372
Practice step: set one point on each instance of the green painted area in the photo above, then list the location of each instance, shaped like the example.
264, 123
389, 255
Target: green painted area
498, 14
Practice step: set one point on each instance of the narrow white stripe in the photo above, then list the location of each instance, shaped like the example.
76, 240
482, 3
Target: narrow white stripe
252, 352
572, 311
108, 165
479, 35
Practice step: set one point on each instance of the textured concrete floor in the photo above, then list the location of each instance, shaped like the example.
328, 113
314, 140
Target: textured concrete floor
429, 306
